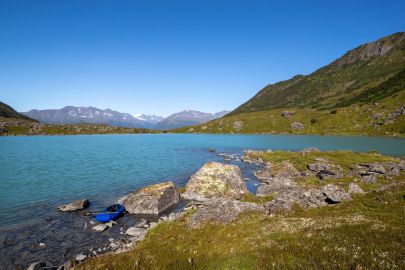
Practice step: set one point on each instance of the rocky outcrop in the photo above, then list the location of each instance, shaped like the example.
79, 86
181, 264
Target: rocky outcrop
335, 194
215, 180
297, 126
237, 125
152, 199
324, 169
223, 210
355, 189
281, 170
74, 206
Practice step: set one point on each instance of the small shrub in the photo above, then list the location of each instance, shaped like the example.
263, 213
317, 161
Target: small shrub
313, 121
333, 112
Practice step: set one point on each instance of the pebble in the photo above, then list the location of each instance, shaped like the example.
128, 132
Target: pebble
81, 257
100, 227
42, 244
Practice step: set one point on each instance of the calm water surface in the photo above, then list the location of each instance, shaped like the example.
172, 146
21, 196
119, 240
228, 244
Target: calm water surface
38, 173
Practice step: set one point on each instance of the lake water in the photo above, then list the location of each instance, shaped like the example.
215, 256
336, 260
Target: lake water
38, 173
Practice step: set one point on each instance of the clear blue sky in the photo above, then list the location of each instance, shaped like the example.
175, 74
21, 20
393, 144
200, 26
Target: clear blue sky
164, 56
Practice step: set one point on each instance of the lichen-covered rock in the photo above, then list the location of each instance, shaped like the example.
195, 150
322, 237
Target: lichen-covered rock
237, 125
136, 232
369, 178
297, 126
215, 180
281, 170
377, 168
153, 199
274, 185
74, 206
355, 189
335, 194
223, 210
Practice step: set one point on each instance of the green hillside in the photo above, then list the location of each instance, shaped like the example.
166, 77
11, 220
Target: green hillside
363, 92
8, 112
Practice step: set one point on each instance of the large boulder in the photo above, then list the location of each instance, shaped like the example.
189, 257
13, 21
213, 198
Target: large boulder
223, 210
335, 194
153, 199
355, 189
74, 206
215, 180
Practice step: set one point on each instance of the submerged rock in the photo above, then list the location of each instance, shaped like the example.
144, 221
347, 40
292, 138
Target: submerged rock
223, 210
153, 199
76, 205
215, 180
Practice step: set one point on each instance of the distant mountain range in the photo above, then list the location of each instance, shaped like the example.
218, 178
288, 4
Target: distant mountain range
92, 115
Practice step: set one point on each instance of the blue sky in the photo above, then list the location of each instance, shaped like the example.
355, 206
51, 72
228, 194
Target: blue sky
160, 57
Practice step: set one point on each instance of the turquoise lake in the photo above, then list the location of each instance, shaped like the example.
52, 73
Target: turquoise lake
38, 173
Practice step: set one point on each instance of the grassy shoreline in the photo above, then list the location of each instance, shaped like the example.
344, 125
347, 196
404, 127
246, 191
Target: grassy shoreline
364, 233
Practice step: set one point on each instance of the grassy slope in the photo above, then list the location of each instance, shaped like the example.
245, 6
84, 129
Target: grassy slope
27, 127
366, 233
351, 84
345, 79
351, 120
8, 112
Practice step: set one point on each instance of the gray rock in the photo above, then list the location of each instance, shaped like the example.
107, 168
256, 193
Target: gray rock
73, 206
319, 166
100, 227
223, 210
141, 224
237, 125
297, 126
152, 199
368, 178
287, 113
215, 180
274, 185
310, 150
80, 257
377, 168
335, 194
355, 189
39, 265
136, 232
328, 174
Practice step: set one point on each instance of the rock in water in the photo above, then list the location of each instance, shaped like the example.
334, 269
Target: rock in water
354, 188
76, 205
100, 227
215, 180
153, 199
335, 194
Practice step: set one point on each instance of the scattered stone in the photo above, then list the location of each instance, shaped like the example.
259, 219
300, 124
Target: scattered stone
237, 125
355, 189
211, 150
223, 210
335, 194
80, 257
42, 245
368, 178
287, 113
141, 224
153, 199
310, 150
76, 205
100, 227
215, 180
41, 265
297, 126
136, 232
